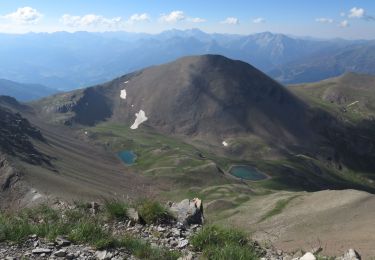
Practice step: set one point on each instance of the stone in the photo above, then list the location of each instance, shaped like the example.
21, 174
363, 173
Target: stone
41, 251
133, 215
60, 253
183, 243
61, 241
94, 207
160, 229
308, 256
189, 256
188, 211
103, 255
70, 256
351, 254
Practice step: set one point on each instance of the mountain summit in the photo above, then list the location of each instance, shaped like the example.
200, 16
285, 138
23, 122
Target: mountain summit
207, 95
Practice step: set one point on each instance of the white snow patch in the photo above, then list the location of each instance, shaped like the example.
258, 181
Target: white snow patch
126, 81
123, 94
351, 104
140, 118
225, 143
132, 105
86, 132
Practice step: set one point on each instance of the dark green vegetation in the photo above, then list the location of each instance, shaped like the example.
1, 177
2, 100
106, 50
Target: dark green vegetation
219, 243
79, 225
116, 209
152, 212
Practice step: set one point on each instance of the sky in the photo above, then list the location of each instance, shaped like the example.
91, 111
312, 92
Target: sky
350, 19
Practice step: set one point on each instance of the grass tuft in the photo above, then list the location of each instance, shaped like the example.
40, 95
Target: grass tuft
218, 243
152, 212
144, 250
116, 209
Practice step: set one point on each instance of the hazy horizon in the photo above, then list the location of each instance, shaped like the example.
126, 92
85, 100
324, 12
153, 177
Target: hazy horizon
319, 19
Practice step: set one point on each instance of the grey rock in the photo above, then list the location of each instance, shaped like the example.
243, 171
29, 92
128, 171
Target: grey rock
60, 253
188, 211
61, 241
41, 251
103, 255
133, 215
351, 254
183, 243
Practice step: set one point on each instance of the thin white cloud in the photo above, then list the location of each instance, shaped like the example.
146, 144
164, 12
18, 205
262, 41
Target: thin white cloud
172, 17
356, 13
24, 15
344, 24
139, 18
231, 20
196, 20
259, 20
360, 13
90, 20
324, 20
342, 14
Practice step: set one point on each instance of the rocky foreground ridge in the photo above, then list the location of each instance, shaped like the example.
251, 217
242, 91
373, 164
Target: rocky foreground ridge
148, 231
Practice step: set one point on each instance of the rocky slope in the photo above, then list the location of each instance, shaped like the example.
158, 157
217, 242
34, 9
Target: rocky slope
140, 240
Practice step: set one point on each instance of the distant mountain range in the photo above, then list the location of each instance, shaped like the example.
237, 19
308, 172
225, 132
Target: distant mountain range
24, 92
65, 61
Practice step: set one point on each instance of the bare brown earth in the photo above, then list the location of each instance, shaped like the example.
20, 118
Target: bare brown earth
333, 220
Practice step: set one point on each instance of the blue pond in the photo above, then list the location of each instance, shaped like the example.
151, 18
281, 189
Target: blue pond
247, 173
128, 157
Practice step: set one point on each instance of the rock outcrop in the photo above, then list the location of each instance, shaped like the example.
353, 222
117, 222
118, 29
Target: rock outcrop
188, 212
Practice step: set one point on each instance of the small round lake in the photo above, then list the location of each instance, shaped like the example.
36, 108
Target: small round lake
247, 173
128, 157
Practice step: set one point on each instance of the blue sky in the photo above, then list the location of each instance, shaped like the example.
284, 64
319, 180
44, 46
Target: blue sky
317, 18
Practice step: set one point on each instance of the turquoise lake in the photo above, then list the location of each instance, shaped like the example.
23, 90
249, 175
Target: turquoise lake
247, 173
128, 157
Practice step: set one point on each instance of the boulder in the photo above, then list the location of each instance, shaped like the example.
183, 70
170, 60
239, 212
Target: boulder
60, 253
188, 211
351, 254
308, 256
133, 215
